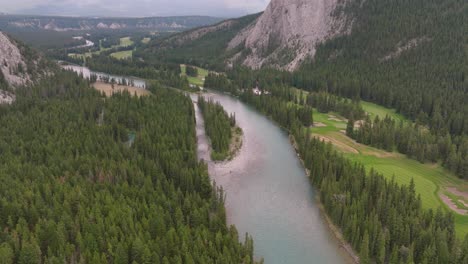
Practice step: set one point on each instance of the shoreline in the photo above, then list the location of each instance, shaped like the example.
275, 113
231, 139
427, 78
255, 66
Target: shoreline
237, 140
334, 230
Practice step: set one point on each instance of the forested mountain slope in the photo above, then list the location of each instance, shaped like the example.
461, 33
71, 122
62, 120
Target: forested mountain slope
202, 46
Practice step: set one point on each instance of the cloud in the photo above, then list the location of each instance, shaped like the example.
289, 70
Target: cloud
224, 8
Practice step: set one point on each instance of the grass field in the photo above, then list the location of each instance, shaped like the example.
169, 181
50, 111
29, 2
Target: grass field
199, 80
145, 40
122, 54
107, 89
377, 110
431, 180
125, 42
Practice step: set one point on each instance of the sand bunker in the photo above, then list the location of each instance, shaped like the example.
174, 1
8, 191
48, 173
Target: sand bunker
457, 192
452, 205
318, 124
340, 145
337, 119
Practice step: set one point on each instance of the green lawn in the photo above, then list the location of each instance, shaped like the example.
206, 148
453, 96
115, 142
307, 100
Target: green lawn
125, 42
199, 80
145, 40
377, 110
122, 54
430, 179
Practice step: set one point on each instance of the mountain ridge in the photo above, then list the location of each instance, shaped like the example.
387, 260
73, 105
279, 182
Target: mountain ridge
65, 23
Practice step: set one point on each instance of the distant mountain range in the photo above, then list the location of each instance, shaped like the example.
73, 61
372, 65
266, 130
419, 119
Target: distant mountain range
57, 23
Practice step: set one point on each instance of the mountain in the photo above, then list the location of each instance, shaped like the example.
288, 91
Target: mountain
56, 23
283, 36
19, 65
289, 31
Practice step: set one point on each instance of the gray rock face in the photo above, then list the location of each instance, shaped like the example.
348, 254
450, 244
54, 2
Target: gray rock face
12, 63
6, 97
290, 30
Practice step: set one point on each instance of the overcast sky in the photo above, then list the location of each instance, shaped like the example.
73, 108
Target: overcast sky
134, 8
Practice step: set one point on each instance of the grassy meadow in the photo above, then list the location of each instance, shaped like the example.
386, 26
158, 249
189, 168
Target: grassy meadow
124, 42
122, 54
199, 80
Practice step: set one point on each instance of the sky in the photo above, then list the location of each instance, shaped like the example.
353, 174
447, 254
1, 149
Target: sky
134, 8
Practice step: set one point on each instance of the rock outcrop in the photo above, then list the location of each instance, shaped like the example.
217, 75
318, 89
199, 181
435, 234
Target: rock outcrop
19, 66
290, 30
12, 62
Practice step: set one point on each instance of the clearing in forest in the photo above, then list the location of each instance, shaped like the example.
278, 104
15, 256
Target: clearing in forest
109, 91
199, 80
122, 54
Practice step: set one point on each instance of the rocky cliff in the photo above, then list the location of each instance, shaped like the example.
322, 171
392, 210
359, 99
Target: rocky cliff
12, 62
289, 31
19, 65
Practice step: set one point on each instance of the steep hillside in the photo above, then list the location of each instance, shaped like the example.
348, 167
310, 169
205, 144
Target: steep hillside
205, 46
289, 31
19, 65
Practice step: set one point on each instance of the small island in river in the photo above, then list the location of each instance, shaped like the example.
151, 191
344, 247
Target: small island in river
225, 136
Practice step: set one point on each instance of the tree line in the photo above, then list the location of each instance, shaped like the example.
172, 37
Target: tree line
415, 141
165, 74
191, 71
325, 103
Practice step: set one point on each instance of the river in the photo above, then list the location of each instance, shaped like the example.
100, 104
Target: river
268, 193
86, 72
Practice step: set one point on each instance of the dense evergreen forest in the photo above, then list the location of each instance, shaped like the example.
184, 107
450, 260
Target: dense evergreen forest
218, 126
383, 221
86, 179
